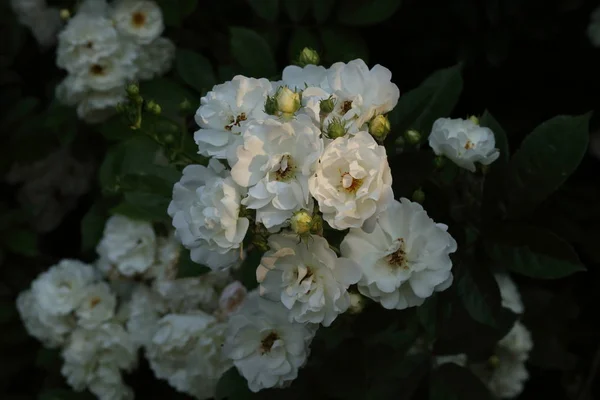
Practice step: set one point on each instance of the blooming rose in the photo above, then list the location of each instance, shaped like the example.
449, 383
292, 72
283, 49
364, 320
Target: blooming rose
138, 20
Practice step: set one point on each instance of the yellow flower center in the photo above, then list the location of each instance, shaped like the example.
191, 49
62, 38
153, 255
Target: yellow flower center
235, 121
398, 258
349, 183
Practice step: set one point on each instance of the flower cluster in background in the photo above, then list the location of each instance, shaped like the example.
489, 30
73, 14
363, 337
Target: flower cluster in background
44, 22
105, 46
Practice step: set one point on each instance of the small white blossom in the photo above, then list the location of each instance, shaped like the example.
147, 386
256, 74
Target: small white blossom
225, 111
155, 58
275, 163
509, 293
51, 330
129, 245
139, 20
505, 373
308, 278
406, 257
97, 305
353, 182
464, 142
186, 351
361, 93
61, 288
145, 310
186, 294
206, 215
299, 78
265, 347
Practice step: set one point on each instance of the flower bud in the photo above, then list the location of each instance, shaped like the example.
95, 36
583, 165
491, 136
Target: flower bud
133, 90
439, 161
326, 106
185, 106
317, 225
357, 303
379, 127
412, 136
301, 222
308, 56
336, 128
288, 101
65, 14
418, 196
152, 107
474, 119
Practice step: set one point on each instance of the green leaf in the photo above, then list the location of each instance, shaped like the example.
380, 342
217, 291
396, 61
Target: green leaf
343, 45
478, 292
489, 121
174, 11
92, 226
266, 9
252, 52
321, 9
546, 158
21, 241
301, 38
143, 206
195, 70
532, 252
186, 268
232, 386
427, 315
367, 12
434, 98
295, 9
168, 94
115, 129
452, 382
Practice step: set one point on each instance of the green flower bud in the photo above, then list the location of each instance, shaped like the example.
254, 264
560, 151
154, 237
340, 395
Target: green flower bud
308, 56
133, 90
357, 303
301, 222
379, 127
474, 119
185, 106
65, 14
412, 136
153, 108
418, 196
327, 105
317, 225
336, 129
439, 161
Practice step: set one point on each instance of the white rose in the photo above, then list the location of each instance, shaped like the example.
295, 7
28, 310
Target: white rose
86, 39
298, 78
128, 244
353, 182
362, 93
275, 163
186, 351
155, 58
145, 310
97, 305
139, 20
60, 290
509, 293
405, 259
505, 373
265, 347
51, 330
224, 112
206, 215
167, 257
308, 278
464, 142
187, 294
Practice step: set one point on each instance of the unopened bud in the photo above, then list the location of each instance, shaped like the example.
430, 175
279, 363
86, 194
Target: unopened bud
474, 119
418, 196
288, 101
412, 136
301, 222
185, 105
326, 106
133, 90
317, 225
336, 128
379, 127
65, 14
308, 56
168, 139
357, 303
152, 107
439, 161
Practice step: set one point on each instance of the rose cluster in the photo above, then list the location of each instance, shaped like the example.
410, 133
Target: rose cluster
293, 162
105, 46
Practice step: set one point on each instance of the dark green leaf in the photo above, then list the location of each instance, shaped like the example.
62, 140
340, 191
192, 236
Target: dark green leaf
195, 70
21, 241
232, 386
427, 315
321, 9
168, 94
143, 206
489, 121
295, 9
174, 11
343, 45
478, 292
267, 9
301, 38
252, 52
115, 129
452, 382
434, 98
92, 226
546, 158
186, 268
367, 12
23, 108
532, 252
